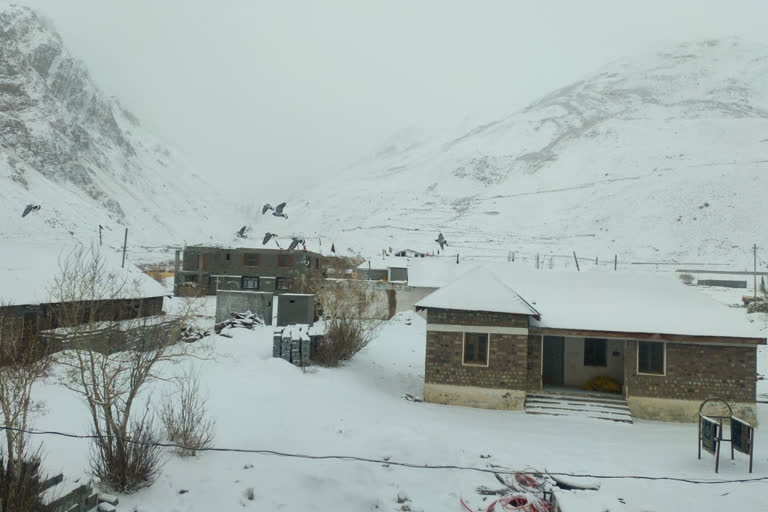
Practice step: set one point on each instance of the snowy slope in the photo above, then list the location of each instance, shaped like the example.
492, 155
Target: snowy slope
67, 146
660, 156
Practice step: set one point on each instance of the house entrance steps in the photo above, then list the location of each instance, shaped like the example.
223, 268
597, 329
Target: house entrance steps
562, 401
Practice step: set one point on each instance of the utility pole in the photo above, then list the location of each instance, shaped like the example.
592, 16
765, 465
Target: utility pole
615, 261
125, 244
100, 228
577, 261
754, 260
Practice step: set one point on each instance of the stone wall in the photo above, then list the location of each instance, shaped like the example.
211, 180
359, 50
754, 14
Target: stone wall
534, 363
696, 372
507, 353
479, 318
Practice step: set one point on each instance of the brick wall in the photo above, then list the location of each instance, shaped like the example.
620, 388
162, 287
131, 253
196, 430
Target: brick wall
481, 318
534, 363
696, 372
508, 353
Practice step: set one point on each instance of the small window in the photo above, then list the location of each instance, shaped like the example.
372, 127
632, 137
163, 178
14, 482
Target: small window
250, 283
283, 284
594, 352
200, 261
285, 260
476, 348
650, 357
251, 260
317, 263
228, 255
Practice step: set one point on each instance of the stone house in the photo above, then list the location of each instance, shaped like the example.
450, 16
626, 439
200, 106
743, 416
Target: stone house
499, 335
27, 307
206, 269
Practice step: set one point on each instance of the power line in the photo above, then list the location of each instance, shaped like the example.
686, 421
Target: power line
352, 458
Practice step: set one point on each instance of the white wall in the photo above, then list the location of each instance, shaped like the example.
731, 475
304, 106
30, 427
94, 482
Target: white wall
576, 374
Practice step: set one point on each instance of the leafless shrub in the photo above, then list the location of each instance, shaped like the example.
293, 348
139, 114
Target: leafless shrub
23, 362
758, 306
352, 318
130, 463
686, 278
21, 482
185, 416
106, 373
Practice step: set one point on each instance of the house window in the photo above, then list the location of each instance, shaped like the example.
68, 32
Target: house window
228, 255
283, 284
251, 260
250, 283
651, 357
285, 260
594, 352
476, 348
317, 263
200, 261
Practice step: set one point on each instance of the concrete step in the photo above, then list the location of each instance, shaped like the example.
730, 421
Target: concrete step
579, 405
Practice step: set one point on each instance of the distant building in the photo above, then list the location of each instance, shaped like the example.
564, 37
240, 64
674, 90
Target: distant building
502, 337
205, 269
27, 277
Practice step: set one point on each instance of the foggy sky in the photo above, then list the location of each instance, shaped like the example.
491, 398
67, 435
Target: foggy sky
290, 91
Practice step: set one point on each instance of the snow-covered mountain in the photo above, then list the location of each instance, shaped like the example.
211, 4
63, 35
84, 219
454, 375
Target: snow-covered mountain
658, 157
68, 147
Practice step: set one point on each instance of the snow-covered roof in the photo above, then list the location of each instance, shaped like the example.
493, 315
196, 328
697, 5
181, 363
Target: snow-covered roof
385, 262
254, 241
595, 301
28, 270
437, 272
478, 290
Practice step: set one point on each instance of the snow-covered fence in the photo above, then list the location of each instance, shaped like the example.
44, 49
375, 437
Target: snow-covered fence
64, 496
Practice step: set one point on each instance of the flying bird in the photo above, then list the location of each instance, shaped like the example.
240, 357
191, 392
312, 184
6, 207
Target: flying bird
442, 241
241, 232
268, 237
30, 208
278, 212
295, 242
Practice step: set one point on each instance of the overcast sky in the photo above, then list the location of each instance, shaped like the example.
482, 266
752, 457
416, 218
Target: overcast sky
291, 89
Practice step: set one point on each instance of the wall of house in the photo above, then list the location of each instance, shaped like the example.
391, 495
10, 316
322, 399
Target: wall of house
693, 374
534, 363
240, 301
295, 309
448, 380
373, 274
576, 374
398, 274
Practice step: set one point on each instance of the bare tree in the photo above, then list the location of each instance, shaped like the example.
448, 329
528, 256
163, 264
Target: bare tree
185, 416
115, 348
23, 361
352, 318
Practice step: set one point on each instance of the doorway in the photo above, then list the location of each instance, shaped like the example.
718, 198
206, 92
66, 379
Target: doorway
553, 361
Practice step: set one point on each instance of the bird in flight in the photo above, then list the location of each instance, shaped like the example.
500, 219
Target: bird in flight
442, 241
268, 237
295, 242
30, 208
241, 232
278, 211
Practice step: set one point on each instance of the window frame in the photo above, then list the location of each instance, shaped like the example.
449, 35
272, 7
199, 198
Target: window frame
283, 258
604, 355
663, 354
283, 284
242, 283
487, 349
255, 257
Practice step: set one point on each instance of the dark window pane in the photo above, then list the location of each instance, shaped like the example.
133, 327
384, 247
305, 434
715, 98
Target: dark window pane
650, 357
595, 352
476, 348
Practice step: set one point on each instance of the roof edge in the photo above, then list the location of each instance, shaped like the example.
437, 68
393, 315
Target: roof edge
649, 336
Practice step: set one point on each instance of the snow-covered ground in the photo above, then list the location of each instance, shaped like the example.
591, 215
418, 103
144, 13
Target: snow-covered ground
359, 410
